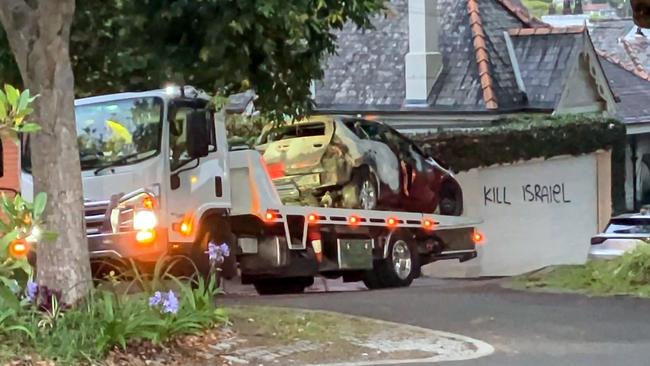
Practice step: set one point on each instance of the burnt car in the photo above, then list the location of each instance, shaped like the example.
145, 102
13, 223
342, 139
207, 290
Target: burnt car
336, 161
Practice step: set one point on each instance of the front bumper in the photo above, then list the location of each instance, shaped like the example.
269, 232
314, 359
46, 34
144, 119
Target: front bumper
123, 245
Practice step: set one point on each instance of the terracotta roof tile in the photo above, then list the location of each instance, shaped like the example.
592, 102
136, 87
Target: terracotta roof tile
545, 31
641, 73
522, 14
482, 56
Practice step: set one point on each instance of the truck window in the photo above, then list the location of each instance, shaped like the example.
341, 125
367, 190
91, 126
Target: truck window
178, 155
294, 131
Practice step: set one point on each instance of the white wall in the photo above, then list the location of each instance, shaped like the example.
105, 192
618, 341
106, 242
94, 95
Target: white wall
527, 231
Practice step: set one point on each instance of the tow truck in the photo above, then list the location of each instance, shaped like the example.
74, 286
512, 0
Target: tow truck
160, 180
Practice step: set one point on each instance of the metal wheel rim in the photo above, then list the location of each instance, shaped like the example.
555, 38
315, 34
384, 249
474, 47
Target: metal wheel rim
402, 261
367, 195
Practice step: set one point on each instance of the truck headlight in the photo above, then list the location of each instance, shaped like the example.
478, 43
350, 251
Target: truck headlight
144, 220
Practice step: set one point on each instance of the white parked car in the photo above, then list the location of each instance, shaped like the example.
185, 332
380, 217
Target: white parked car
623, 233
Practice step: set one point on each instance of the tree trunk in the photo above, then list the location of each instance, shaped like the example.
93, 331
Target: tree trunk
566, 8
39, 35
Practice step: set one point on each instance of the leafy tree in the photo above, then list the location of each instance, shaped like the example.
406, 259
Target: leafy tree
273, 46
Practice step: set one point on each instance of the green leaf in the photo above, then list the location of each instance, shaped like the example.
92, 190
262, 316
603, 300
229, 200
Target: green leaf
12, 95
23, 101
3, 110
6, 240
29, 127
40, 201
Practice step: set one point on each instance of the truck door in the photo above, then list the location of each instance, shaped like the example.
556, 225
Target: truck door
196, 185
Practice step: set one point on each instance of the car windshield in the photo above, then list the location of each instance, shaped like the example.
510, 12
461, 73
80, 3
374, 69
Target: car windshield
115, 133
293, 131
628, 226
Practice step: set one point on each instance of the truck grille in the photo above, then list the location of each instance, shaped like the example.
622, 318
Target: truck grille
95, 214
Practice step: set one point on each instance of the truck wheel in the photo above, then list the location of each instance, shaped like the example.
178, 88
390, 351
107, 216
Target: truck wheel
217, 231
361, 192
398, 270
277, 286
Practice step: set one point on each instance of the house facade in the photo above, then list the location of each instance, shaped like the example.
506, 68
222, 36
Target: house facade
437, 64
624, 50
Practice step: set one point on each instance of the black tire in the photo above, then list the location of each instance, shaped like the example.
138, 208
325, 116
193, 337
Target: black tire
217, 230
363, 184
385, 273
278, 286
451, 200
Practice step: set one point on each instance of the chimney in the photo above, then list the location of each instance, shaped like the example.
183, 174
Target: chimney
423, 61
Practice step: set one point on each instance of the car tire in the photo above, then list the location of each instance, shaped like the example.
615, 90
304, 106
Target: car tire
451, 200
362, 191
279, 286
399, 269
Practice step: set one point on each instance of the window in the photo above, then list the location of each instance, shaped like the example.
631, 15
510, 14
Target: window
628, 226
178, 154
114, 133
294, 131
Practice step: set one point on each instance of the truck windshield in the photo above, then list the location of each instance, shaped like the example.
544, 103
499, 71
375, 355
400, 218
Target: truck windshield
114, 133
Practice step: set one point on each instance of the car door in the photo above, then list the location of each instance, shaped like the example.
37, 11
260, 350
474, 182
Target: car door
418, 178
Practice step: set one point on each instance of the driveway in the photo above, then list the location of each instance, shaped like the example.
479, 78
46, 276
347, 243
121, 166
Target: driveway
529, 329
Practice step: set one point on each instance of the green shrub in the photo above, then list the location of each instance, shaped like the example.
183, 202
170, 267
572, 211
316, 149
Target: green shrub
515, 139
628, 274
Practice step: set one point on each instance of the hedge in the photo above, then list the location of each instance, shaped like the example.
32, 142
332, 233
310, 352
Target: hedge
523, 138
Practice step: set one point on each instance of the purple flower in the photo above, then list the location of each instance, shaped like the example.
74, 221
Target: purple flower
156, 299
31, 290
216, 253
225, 250
213, 252
170, 305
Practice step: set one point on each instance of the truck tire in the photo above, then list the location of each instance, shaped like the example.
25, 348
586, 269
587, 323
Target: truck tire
214, 230
362, 192
399, 269
277, 286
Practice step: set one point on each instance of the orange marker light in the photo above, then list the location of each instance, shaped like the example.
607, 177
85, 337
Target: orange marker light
478, 237
18, 248
186, 227
270, 216
145, 236
428, 224
391, 221
312, 218
354, 220
148, 202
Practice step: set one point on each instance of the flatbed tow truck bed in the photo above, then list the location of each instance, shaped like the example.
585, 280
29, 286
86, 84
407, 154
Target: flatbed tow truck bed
282, 247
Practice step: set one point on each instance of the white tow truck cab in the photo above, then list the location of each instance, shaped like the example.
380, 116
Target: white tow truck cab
159, 179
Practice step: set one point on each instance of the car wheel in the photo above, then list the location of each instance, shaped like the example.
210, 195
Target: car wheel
361, 192
451, 201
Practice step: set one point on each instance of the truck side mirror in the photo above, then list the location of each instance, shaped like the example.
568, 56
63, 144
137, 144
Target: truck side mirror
198, 134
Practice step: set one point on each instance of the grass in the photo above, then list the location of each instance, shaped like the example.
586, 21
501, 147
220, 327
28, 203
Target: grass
626, 275
291, 324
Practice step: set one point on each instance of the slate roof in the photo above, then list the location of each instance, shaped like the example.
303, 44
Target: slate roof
478, 72
545, 61
632, 88
625, 57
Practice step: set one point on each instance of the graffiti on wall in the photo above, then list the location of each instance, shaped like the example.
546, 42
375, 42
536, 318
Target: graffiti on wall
527, 193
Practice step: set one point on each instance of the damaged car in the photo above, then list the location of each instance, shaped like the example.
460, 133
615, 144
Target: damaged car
336, 161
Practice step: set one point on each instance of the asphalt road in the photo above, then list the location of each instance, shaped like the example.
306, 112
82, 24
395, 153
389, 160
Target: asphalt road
525, 328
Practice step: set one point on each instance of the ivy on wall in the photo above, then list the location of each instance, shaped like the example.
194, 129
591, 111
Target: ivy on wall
523, 138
